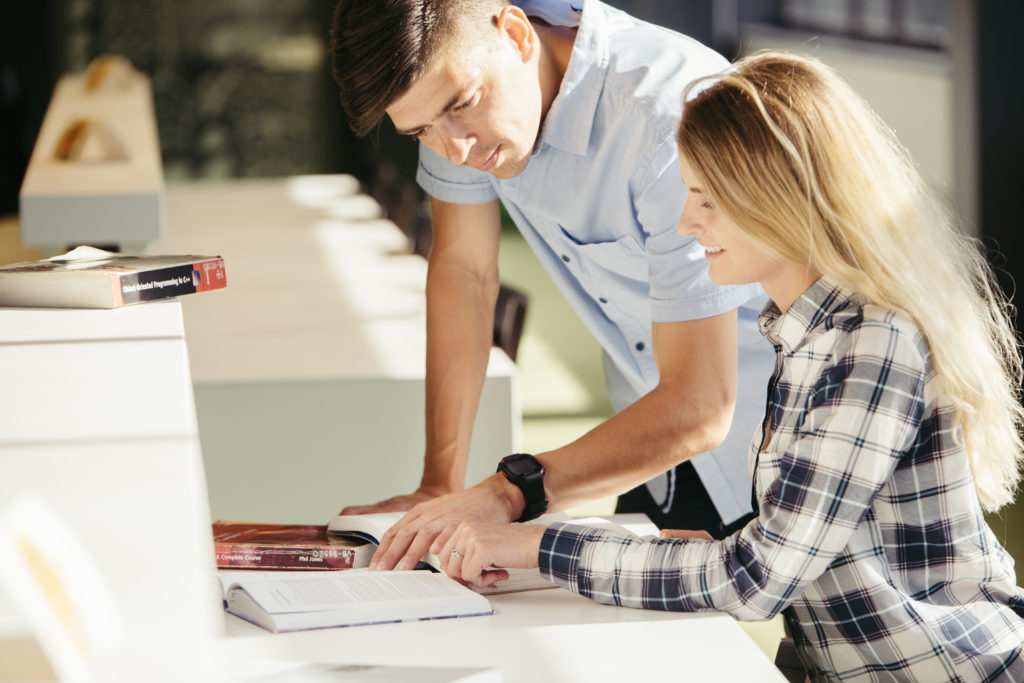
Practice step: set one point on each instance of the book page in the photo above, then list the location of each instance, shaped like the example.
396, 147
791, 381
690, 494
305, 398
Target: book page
298, 593
372, 527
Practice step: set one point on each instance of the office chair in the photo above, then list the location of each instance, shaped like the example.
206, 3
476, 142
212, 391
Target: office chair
509, 316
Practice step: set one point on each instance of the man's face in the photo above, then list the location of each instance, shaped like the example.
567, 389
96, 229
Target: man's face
479, 105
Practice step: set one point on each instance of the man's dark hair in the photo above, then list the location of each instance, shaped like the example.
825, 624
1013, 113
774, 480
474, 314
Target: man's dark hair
380, 47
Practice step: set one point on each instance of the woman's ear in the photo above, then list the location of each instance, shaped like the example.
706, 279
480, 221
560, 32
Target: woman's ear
513, 23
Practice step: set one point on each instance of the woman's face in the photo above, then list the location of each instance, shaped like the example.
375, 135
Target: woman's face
734, 259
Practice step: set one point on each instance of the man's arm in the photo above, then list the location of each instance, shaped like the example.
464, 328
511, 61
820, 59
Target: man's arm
462, 288
688, 413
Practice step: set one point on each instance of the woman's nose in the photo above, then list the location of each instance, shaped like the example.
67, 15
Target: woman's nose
688, 223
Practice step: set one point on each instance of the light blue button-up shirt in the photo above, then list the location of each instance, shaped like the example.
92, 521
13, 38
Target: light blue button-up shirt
599, 203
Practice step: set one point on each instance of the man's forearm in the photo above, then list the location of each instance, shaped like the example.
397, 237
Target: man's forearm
687, 414
653, 435
460, 312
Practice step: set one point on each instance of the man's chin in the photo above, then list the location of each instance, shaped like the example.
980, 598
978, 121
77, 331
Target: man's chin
509, 169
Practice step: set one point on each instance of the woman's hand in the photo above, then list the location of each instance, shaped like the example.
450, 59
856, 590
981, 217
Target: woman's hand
478, 553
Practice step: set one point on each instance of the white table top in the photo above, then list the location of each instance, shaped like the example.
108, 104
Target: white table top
548, 635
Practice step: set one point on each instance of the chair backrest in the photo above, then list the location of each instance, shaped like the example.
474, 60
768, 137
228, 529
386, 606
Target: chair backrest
423, 233
509, 317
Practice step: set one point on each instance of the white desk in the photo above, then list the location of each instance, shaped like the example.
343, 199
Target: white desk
308, 369
536, 637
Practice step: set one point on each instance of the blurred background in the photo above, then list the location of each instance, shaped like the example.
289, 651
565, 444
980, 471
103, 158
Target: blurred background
243, 89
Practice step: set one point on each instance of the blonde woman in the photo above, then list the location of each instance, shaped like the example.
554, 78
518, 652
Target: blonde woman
892, 419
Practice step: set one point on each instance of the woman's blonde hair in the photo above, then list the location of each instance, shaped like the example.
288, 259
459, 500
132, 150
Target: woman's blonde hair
784, 147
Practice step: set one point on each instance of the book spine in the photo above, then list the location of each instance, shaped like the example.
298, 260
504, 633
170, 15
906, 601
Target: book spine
162, 283
279, 557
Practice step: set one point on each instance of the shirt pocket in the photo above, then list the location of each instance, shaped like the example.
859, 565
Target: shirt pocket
624, 256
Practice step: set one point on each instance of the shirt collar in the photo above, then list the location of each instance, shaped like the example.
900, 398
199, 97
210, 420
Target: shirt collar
812, 309
570, 118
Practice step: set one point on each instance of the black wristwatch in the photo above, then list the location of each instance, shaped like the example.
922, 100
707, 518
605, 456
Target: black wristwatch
526, 472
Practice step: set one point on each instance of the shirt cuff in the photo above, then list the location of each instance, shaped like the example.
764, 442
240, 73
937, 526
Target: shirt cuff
561, 550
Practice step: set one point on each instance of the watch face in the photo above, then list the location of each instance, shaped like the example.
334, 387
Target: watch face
520, 466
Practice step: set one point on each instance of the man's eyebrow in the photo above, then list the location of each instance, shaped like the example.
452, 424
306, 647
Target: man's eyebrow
447, 108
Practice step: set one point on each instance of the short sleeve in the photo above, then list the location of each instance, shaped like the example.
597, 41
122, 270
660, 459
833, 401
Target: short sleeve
443, 180
680, 286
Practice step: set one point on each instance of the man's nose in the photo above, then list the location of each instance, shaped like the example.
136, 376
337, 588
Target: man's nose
457, 143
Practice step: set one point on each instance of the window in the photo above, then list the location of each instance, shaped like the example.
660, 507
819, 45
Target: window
911, 22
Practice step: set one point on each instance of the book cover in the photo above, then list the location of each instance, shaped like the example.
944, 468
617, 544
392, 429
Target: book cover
285, 546
87, 277
292, 601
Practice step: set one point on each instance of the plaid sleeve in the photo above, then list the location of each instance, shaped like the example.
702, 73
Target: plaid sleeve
861, 412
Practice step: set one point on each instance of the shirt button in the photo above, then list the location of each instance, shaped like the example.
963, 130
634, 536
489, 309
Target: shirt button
603, 300
640, 346
565, 258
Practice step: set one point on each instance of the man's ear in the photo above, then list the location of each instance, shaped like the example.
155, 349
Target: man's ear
514, 25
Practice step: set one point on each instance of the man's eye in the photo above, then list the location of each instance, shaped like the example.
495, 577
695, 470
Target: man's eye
467, 104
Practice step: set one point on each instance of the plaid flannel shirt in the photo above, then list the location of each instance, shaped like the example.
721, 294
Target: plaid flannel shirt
869, 536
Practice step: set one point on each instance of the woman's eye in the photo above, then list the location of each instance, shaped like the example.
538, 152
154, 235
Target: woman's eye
706, 205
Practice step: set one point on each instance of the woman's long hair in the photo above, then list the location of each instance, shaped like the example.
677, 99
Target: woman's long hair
784, 147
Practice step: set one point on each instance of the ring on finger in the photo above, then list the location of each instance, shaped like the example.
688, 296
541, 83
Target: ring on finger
455, 553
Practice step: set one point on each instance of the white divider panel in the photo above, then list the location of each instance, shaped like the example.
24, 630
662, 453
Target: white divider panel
97, 422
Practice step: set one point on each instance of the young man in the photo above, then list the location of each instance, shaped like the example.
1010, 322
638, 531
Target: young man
566, 112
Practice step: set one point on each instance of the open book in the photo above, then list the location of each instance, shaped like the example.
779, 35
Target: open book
372, 526
297, 601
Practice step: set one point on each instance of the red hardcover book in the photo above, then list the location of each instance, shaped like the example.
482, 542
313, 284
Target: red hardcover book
285, 546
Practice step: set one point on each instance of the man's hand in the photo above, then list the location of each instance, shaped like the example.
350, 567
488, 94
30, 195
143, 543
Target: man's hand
402, 503
478, 553
492, 500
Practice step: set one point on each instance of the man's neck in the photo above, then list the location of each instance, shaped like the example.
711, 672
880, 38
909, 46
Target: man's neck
556, 51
